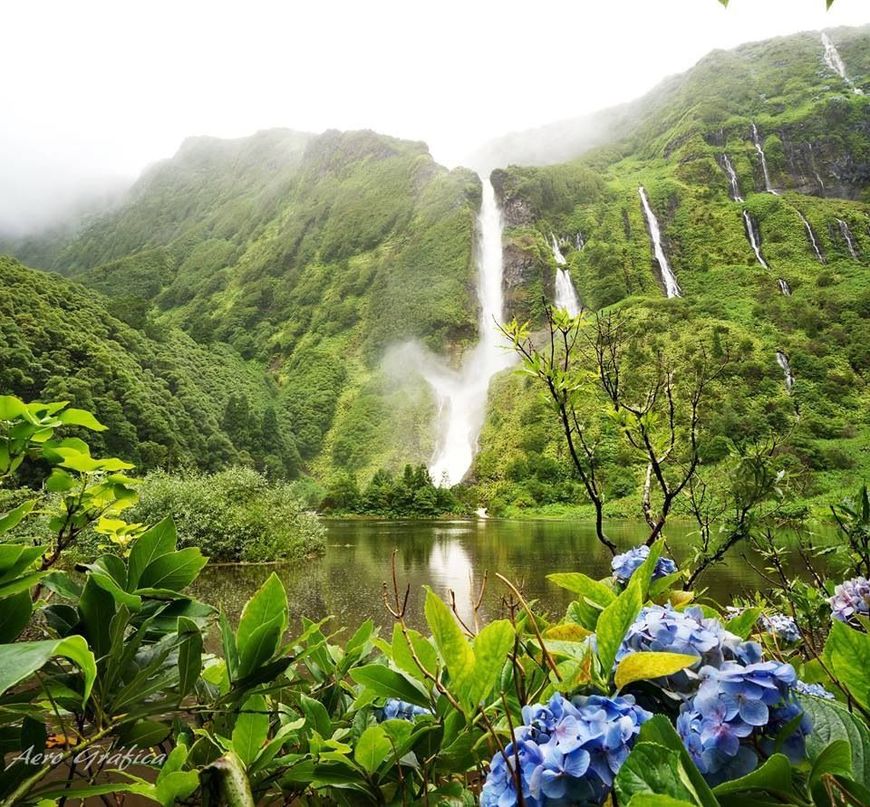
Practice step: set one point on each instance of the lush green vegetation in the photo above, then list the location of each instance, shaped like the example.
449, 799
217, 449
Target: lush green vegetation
637, 692
235, 514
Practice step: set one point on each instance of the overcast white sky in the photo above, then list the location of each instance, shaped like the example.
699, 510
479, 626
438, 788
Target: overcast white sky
95, 89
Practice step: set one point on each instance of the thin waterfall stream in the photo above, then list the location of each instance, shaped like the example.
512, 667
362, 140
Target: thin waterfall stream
812, 236
566, 294
672, 288
756, 139
835, 62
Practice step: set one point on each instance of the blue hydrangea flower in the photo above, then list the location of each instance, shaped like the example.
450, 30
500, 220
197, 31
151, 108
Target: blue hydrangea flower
626, 564
816, 690
394, 709
851, 598
569, 751
783, 627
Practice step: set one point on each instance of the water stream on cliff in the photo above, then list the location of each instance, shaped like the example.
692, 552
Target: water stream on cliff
672, 288
784, 287
566, 294
812, 237
757, 141
834, 61
782, 361
462, 393
732, 178
754, 238
847, 236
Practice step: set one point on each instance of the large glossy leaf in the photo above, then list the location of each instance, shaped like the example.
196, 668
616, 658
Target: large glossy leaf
848, 651
80, 417
174, 571
833, 721
15, 558
189, 655
742, 624
13, 517
774, 776
593, 597
615, 620
387, 683
491, 648
372, 748
644, 666
251, 729
653, 769
316, 715
152, 544
14, 615
423, 649
455, 650
20, 660
267, 606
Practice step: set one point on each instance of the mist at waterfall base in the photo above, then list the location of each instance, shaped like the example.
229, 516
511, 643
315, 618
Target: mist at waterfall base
461, 393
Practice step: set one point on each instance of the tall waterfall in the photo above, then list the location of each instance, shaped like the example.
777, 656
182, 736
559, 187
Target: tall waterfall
835, 62
812, 237
566, 295
847, 236
732, 178
757, 141
784, 287
782, 361
462, 394
672, 288
754, 238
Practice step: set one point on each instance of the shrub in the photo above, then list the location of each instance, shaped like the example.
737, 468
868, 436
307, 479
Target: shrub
232, 515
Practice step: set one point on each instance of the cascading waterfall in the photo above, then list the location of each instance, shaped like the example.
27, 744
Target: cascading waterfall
782, 361
835, 62
579, 241
732, 178
462, 394
784, 287
757, 141
754, 238
566, 295
672, 288
812, 236
847, 236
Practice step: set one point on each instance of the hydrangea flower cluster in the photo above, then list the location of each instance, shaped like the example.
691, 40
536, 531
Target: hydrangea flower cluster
567, 751
394, 709
626, 564
783, 627
736, 702
816, 690
851, 598
665, 630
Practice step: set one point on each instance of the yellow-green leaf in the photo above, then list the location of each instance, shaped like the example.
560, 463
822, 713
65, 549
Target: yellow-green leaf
643, 666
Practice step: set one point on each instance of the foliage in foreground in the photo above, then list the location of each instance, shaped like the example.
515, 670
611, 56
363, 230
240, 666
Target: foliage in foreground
641, 690
233, 515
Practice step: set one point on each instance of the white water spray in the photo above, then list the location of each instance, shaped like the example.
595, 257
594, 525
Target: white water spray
754, 238
757, 141
462, 394
579, 241
566, 295
557, 253
784, 287
847, 236
835, 62
782, 361
732, 178
812, 237
672, 288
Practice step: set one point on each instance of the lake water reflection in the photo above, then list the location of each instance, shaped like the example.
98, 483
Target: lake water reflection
347, 582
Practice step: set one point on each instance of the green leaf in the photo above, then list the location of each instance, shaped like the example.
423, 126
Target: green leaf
11, 407
251, 729
14, 516
615, 621
154, 543
655, 800
189, 655
145, 733
372, 748
424, 650
259, 647
15, 558
832, 721
659, 730
644, 666
14, 615
742, 624
81, 417
847, 651
835, 759
268, 605
316, 715
104, 571
774, 776
491, 647
594, 596
387, 683
174, 571
655, 770
20, 660
454, 649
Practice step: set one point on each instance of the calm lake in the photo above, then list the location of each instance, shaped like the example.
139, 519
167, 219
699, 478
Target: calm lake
347, 581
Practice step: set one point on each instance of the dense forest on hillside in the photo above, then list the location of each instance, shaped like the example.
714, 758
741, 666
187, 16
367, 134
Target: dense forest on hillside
256, 287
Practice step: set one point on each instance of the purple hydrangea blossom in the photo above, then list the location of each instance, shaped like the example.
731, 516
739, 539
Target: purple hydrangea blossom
568, 751
626, 564
395, 709
851, 598
783, 627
